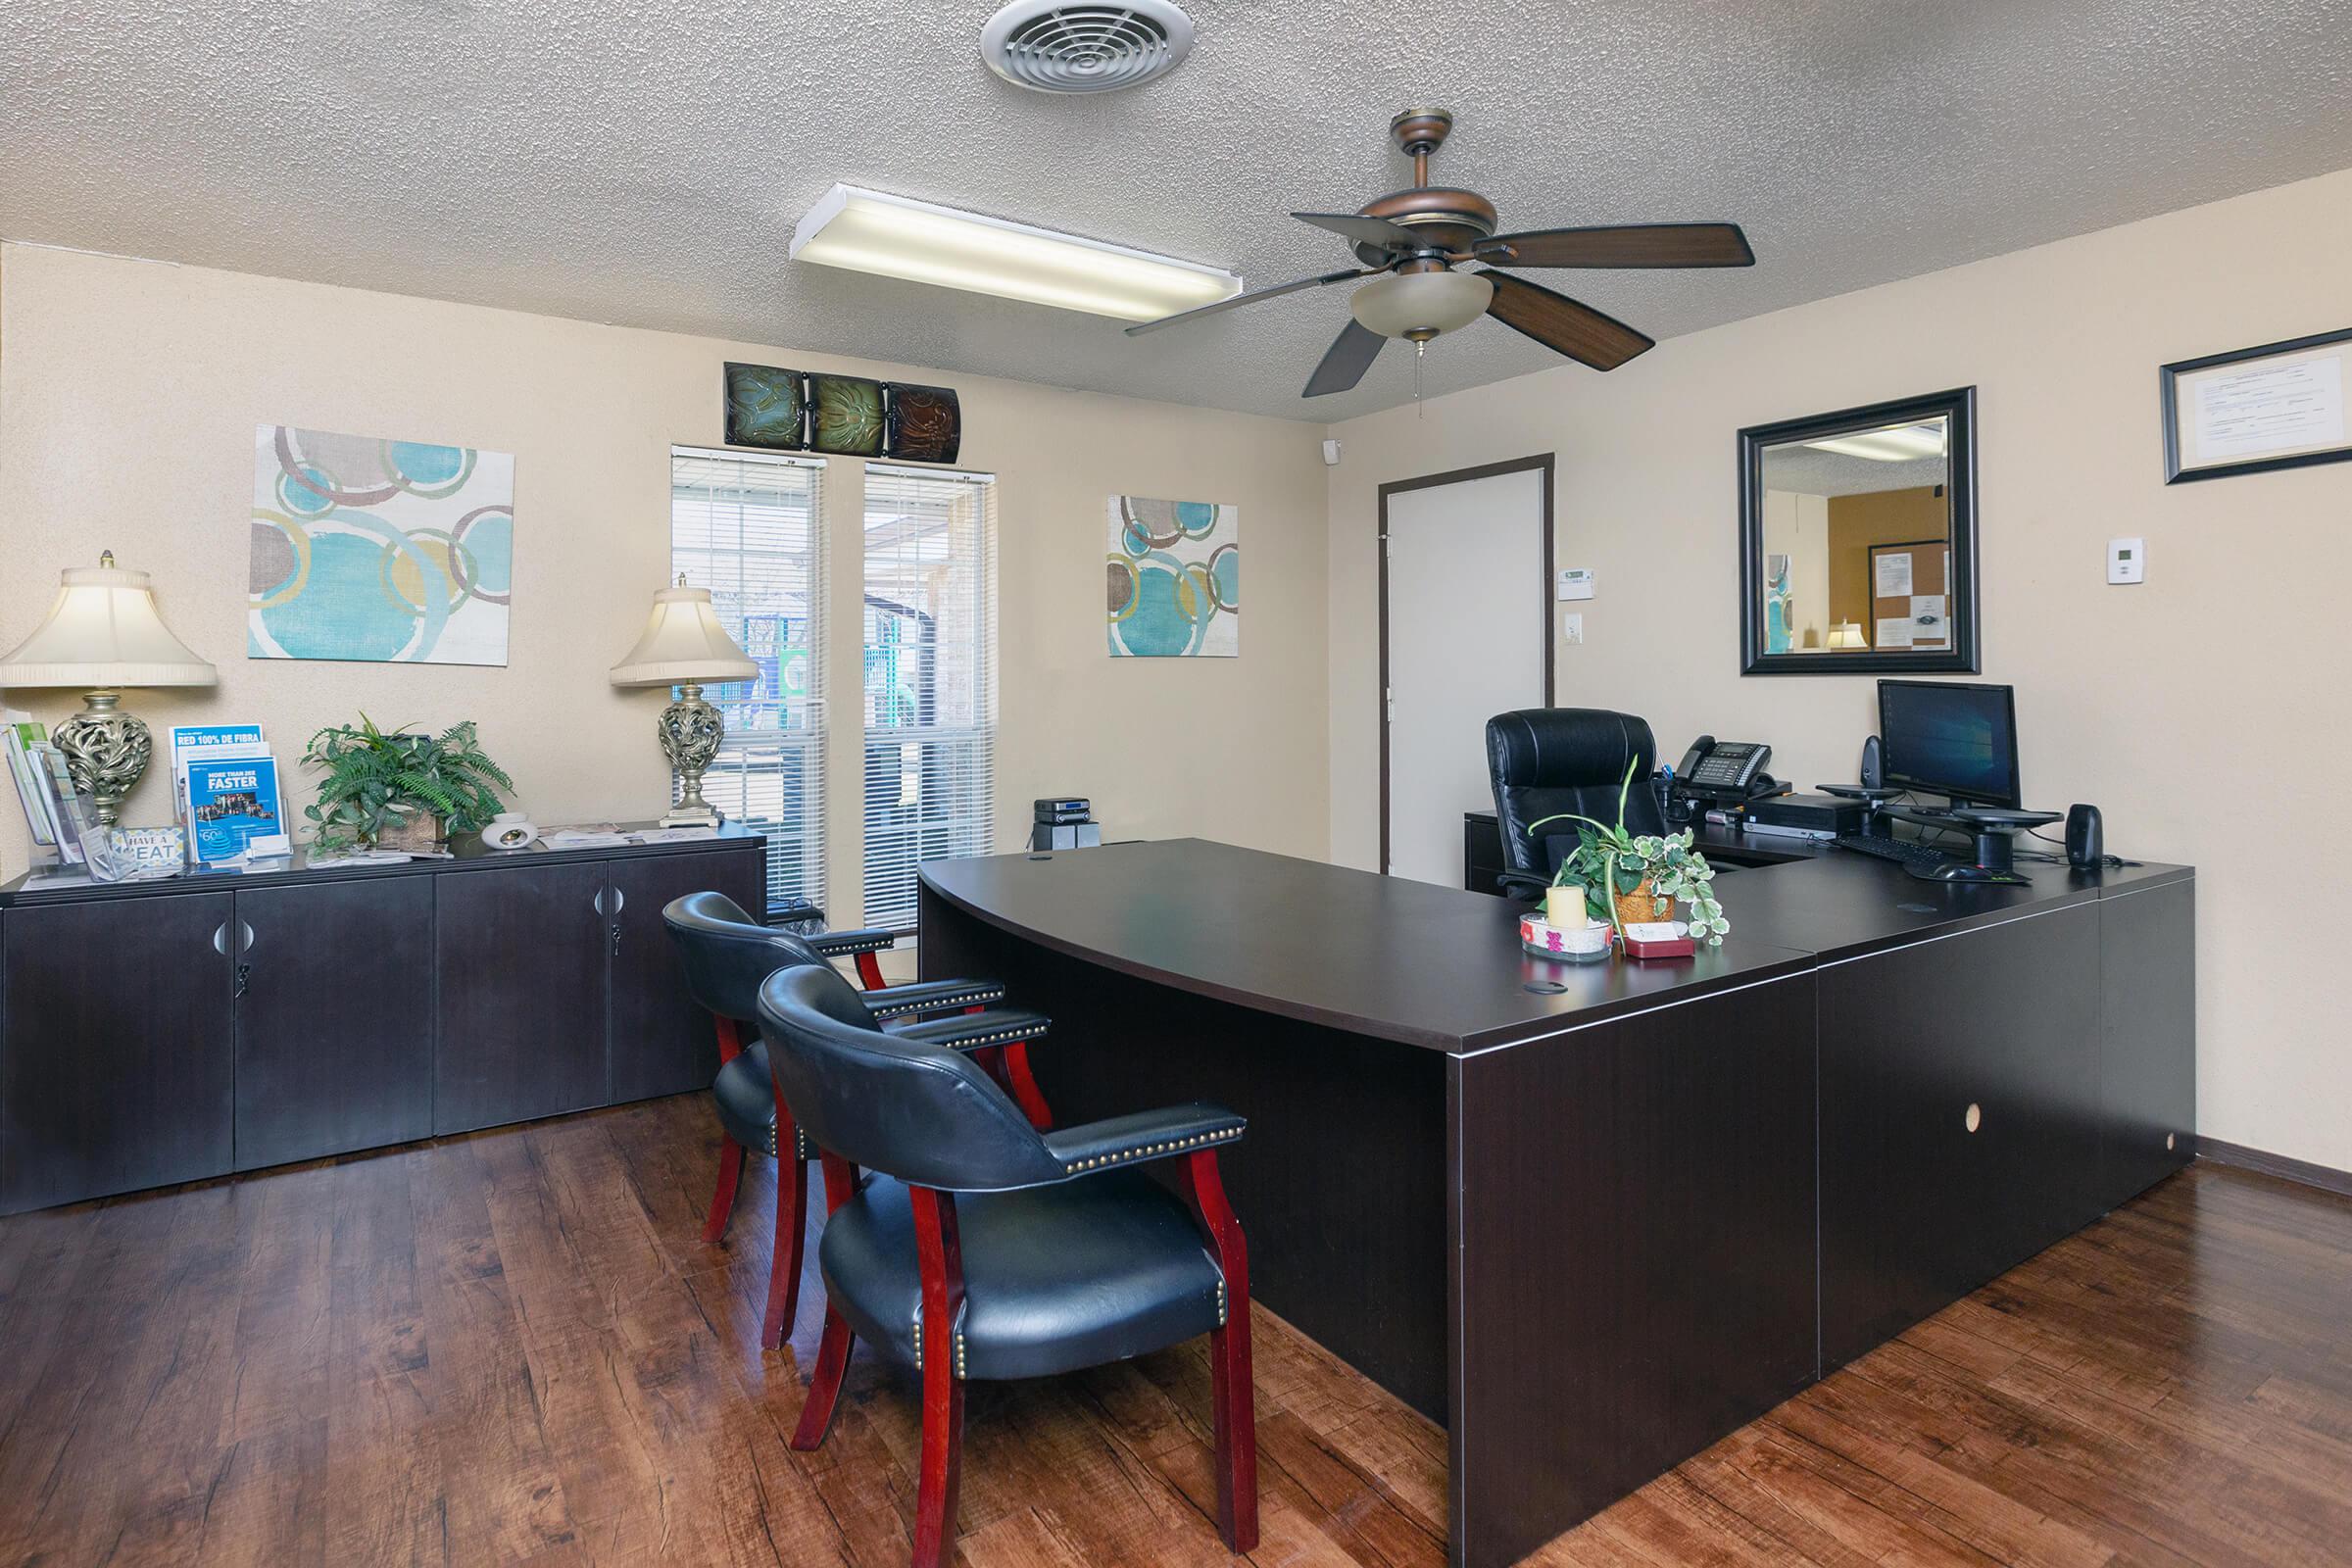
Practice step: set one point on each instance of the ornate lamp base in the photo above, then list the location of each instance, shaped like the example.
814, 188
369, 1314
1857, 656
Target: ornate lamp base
106, 752
690, 730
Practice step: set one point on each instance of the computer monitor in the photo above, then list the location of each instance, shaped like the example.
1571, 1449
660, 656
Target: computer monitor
1942, 738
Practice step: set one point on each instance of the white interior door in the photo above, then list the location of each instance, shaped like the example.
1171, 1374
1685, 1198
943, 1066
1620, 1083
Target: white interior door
1465, 610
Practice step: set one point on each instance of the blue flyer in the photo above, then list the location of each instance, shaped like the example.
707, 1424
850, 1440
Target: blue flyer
230, 800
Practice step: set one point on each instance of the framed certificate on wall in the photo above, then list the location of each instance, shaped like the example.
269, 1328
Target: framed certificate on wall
2279, 405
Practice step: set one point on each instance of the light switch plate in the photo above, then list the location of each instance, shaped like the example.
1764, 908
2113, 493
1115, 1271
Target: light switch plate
2127, 560
1572, 629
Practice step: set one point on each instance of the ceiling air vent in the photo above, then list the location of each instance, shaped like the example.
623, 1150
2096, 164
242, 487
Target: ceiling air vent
1085, 48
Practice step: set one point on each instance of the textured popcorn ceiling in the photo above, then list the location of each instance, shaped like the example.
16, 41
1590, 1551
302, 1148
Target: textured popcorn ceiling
644, 163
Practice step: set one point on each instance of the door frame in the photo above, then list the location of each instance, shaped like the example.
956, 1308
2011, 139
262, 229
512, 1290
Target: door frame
1541, 463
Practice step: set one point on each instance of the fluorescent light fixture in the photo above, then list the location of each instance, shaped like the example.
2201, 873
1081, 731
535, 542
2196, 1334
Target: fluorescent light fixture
872, 231
1904, 443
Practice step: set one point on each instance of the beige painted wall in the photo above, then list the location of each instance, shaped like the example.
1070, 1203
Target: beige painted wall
130, 390
2204, 711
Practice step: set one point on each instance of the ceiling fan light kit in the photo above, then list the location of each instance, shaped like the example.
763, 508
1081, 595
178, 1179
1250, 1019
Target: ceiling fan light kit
1413, 242
1420, 305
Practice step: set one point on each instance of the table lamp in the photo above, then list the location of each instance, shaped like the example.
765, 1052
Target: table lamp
103, 634
1848, 634
683, 646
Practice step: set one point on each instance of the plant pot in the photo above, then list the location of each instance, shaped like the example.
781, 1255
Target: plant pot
1645, 904
419, 833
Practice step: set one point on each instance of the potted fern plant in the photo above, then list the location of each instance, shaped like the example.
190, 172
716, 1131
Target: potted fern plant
1631, 877
392, 790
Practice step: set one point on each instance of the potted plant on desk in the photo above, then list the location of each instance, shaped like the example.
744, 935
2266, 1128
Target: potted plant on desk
393, 791
1628, 878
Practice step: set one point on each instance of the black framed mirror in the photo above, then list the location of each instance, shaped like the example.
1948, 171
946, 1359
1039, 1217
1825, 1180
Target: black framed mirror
1858, 540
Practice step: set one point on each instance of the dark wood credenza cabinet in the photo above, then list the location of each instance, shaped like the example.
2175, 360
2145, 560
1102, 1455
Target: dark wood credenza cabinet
161, 1032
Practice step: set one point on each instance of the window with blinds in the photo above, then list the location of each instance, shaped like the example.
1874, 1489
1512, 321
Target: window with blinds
748, 527
930, 685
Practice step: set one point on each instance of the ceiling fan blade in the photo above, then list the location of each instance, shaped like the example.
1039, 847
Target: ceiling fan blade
1559, 323
1623, 245
1364, 230
1345, 363
1250, 298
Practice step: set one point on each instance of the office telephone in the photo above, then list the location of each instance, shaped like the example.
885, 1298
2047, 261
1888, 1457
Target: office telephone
1724, 771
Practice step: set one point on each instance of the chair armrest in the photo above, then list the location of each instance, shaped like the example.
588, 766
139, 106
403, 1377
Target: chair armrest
931, 996
841, 944
1525, 883
1145, 1136
969, 1031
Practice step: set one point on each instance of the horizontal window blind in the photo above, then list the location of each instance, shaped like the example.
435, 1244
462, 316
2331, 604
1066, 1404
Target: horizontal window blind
929, 679
748, 528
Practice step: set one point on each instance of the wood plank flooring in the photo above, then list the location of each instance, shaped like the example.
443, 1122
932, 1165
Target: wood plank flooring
512, 1348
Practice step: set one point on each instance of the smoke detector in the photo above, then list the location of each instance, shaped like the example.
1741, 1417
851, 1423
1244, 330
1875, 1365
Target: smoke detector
1049, 47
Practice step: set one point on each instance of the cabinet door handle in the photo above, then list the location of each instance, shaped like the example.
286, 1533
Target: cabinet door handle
244, 937
220, 939
599, 901
620, 901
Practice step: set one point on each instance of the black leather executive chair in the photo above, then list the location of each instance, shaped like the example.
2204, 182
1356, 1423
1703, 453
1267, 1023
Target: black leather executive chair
1545, 761
976, 1247
727, 955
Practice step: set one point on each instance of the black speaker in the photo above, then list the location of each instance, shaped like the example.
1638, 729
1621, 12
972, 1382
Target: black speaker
2086, 837
1874, 767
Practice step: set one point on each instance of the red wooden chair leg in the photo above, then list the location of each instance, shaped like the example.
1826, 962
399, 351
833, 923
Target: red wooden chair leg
1025, 1093
833, 1350
792, 1232
722, 1199
869, 971
940, 1255
824, 1388
1233, 1400
731, 1153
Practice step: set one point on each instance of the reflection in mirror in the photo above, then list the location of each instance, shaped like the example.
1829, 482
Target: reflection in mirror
1857, 535
1858, 541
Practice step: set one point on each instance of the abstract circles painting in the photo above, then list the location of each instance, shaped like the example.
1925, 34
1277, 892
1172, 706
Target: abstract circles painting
1174, 579
362, 548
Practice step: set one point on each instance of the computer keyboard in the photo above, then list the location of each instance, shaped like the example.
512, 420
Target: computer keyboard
1912, 856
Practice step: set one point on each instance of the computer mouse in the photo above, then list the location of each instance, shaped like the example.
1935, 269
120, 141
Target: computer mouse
1959, 871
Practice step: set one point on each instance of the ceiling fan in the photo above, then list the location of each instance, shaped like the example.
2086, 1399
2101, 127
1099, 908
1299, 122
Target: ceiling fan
1412, 241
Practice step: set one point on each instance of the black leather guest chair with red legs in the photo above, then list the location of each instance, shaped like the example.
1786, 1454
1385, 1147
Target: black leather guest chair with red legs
726, 953
965, 1241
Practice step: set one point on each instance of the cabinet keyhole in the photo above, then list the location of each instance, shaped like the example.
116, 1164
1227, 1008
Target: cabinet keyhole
1975, 1117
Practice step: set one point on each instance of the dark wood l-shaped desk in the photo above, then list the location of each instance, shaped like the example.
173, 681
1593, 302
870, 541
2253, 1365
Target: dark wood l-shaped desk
1591, 1229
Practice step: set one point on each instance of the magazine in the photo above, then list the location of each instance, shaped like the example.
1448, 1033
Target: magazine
17, 731
231, 800
188, 741
70, 818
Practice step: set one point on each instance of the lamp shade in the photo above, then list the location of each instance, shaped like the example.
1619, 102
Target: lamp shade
103, 631
683, 645
1848, 634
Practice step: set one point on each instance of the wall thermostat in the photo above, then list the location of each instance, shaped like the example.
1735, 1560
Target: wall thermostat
1576, 582
2127, 560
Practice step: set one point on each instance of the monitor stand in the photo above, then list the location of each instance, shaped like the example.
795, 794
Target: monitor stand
1994, 830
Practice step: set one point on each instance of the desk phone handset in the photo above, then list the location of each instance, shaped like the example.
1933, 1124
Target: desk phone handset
1724, 771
